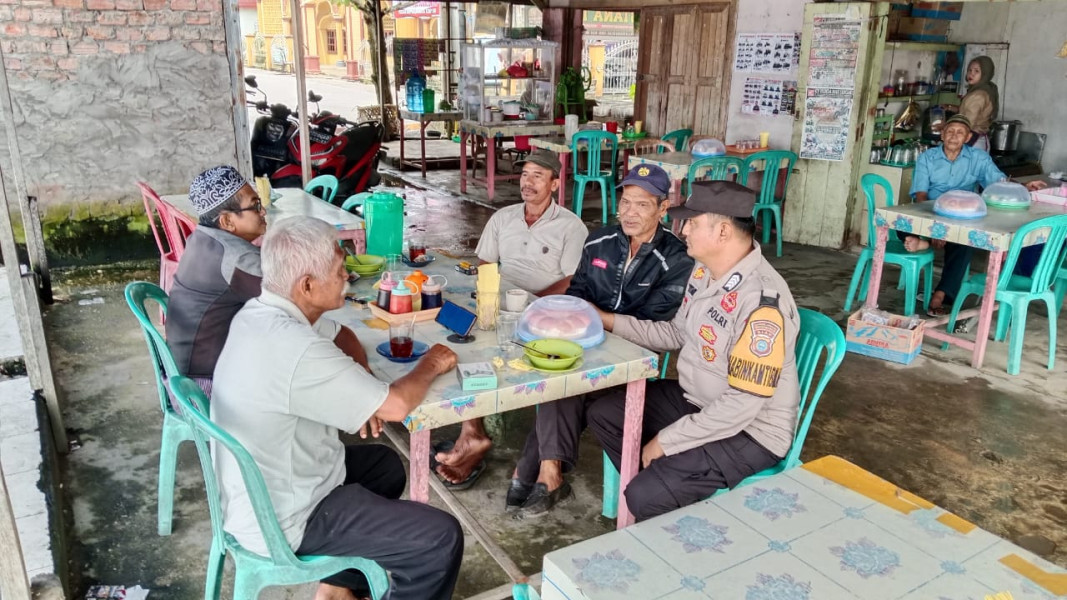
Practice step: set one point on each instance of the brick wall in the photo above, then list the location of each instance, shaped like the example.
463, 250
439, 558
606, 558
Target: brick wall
110, 91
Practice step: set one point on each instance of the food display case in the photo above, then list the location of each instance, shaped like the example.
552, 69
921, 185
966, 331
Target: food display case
508, 80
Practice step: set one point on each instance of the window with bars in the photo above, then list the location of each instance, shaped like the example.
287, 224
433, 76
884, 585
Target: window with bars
331, 41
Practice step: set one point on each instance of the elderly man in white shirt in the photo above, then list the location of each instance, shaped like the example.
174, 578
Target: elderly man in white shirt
538, 244
287, 380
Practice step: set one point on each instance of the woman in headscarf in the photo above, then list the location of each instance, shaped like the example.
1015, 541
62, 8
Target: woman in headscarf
981, 105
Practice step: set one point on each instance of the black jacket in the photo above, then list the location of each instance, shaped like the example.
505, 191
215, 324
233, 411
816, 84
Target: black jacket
653, 286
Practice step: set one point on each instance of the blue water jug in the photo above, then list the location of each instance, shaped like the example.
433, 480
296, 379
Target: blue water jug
384, 215
415, 86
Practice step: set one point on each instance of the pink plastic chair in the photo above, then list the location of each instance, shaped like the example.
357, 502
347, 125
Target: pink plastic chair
176, 226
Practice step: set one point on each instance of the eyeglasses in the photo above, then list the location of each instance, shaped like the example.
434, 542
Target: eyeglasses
256, 206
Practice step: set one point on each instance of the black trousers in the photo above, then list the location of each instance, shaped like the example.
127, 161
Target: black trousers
957, 264
678, 480
419, 545
555, 436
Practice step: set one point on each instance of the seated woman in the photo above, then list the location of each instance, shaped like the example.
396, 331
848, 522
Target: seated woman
218, 272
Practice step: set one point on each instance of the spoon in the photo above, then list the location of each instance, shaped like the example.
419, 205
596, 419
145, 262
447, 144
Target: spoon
350, 253
544, 354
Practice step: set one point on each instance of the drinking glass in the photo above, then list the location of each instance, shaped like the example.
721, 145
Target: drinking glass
402, 338
506, 328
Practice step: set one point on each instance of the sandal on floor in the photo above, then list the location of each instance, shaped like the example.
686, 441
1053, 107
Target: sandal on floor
940, 311
467, 483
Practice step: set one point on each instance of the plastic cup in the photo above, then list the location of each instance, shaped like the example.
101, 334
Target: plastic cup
402, 338
764, 139
515, 300
506, 328
638, 125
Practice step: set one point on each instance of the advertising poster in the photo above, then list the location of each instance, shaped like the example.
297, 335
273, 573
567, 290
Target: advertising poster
827, 113
834, 51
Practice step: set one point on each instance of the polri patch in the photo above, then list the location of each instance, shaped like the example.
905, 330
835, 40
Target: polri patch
699, 273
600, 263
729, 302
764, 334
708, 353
756, 360
732, 282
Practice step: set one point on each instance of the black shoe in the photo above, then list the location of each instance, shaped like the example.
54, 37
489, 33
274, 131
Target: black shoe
518, 492
541, 500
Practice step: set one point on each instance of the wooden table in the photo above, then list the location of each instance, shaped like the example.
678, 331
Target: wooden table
559, 145
424, 119
614, 362
827, 530
491, 133
295, 202
994, 233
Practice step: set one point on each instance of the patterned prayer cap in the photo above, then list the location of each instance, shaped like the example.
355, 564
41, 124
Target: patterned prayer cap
213, 187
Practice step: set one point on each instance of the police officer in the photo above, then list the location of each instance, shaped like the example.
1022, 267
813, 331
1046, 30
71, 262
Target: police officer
733, 410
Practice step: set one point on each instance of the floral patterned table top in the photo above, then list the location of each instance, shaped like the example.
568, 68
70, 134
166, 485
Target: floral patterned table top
615, 361
510, 129
822, 531
991, 232
559, 144
447, 115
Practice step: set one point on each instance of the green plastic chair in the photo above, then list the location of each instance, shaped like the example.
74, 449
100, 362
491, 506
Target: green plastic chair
717, 168
1016, 292
912, 265
766, 203
326, 183
818, 335
252, 571
175, 431
593, 142
1060, 287
678, 138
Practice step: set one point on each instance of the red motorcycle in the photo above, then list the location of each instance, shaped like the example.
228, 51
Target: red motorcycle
349, 151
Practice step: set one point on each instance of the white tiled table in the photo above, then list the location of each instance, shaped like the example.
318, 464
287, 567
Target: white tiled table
614, 362
823, 531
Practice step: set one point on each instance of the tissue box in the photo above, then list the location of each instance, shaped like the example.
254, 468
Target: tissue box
887, 342
477, 376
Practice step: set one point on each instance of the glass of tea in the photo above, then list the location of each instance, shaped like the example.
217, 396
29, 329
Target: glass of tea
416, 250
401, 338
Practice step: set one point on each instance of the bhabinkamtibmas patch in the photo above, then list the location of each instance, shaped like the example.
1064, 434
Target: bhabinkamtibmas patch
758, 355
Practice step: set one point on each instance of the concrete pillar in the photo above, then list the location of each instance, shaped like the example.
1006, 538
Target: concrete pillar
311, 38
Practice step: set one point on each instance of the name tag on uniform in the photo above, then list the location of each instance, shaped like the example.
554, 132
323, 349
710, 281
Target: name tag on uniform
600, 263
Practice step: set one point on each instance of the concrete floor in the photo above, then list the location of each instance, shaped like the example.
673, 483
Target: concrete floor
978, 443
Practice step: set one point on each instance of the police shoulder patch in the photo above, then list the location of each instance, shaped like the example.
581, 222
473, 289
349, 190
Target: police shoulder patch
732, 283
756, 360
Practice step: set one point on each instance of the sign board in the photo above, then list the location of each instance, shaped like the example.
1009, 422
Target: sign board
419, 10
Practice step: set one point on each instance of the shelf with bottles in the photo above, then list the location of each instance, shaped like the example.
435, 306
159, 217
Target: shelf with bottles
506, 71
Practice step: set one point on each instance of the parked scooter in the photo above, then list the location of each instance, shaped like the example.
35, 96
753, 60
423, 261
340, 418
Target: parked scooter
349, 151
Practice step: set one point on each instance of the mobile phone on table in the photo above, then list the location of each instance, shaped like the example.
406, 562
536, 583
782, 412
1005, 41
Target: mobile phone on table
457, 319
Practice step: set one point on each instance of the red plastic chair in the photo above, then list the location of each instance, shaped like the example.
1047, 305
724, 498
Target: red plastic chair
176, 226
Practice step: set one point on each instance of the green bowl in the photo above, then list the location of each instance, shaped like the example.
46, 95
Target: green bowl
569, 351
369, 264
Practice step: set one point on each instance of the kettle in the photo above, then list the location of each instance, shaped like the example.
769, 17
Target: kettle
384, 214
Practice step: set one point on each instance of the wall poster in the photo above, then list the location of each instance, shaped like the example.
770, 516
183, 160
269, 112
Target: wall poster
827, 116
770, 97
767, 52
835, 43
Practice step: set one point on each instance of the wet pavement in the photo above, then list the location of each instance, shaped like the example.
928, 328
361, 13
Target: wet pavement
981, 444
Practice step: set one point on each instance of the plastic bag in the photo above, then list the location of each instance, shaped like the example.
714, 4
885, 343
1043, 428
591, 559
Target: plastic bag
958, 204
708, 147
1007, 195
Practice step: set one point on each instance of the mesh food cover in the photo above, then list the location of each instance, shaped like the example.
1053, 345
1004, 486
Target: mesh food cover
958, 204
1007, 195
562, 317
708, 147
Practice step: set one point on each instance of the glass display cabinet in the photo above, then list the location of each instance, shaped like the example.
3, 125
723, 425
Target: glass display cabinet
508, 80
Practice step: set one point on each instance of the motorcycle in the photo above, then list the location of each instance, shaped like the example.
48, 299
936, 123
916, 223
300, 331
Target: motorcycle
349, 151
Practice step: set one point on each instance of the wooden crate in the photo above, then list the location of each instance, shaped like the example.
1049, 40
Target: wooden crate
422, 315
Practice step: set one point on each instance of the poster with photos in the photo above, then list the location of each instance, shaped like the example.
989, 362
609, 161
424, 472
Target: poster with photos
767, 52
827, 115
769, 97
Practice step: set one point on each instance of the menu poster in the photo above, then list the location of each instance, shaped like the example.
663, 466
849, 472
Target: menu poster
827, 115
769, 97
834, 51
767, 52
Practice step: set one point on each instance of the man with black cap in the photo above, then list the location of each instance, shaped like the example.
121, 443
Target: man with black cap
538, 244
636, 268
218, 272
733, 410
